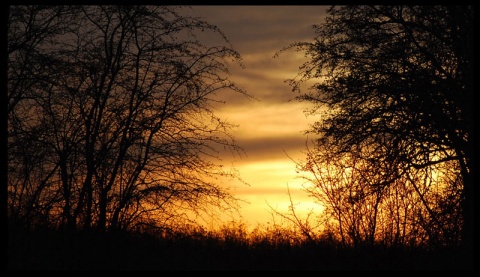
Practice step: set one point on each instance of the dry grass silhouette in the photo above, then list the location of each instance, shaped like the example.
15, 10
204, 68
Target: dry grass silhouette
231, 248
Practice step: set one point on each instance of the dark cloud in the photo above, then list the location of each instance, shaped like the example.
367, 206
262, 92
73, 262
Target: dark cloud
254, 26
257, 33
272, 148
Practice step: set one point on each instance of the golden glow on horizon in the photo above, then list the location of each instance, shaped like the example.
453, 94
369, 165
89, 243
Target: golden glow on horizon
272, 136
271, 128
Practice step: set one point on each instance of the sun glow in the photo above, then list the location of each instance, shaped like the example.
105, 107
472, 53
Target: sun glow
274, 185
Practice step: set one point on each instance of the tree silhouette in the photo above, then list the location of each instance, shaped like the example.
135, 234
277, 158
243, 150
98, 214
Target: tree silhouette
395, 88
369, 202
111, 123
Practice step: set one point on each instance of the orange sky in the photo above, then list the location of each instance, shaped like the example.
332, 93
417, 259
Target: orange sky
271, 129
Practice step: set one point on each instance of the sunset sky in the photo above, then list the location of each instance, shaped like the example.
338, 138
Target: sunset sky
271, 129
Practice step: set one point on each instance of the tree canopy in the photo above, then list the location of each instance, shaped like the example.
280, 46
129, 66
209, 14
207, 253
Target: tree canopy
110, 117
393, 92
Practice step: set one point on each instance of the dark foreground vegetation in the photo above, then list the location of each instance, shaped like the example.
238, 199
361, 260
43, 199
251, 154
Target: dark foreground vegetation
111, 126
47, 249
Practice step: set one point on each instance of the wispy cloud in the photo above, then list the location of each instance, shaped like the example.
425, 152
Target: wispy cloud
271, 128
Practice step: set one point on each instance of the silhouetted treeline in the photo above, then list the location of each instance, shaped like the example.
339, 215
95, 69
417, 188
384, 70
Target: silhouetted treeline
47, 249
111, 129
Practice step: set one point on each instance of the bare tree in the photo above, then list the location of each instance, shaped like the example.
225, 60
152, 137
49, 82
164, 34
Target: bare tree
30, 166
395, 84
126, 117
369, 203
